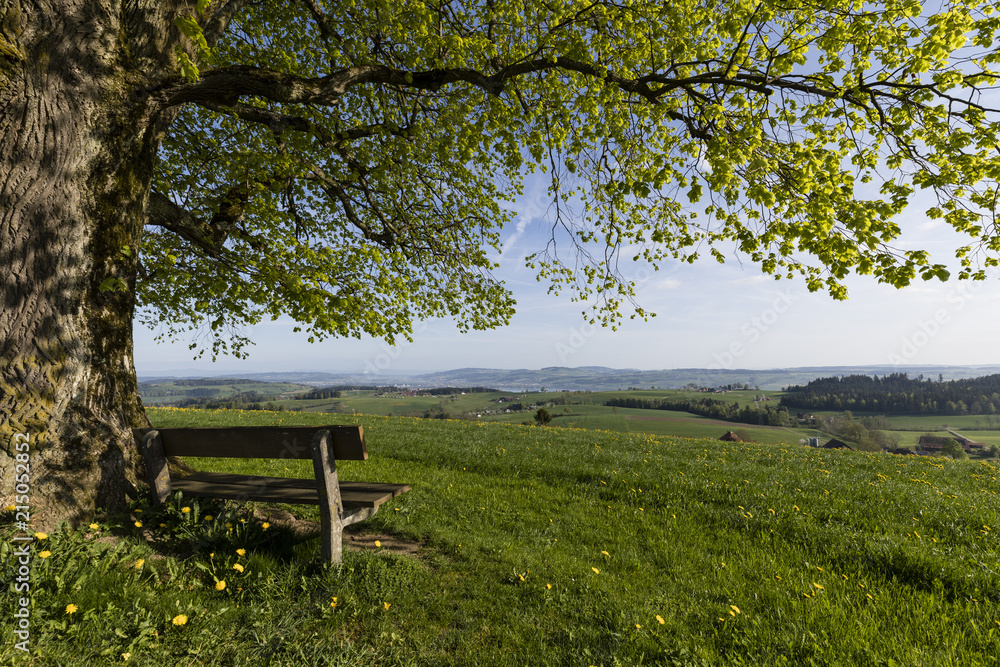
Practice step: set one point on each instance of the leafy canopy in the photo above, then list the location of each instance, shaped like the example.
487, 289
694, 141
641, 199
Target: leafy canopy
348, 163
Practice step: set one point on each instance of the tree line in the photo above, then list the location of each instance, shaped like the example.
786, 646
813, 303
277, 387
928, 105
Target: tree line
150, 389
897, 393
868, 433
247, 400
713, 409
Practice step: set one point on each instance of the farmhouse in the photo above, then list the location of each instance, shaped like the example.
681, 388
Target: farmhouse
967, 444
731, 437
836, 444
934, 443
931, 443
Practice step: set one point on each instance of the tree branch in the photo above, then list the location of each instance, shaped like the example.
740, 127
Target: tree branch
162, 212
227, 85
218, 21
209, 236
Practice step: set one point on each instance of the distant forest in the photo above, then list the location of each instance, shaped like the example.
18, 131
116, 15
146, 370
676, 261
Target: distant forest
897, 393
246, 400
713, 409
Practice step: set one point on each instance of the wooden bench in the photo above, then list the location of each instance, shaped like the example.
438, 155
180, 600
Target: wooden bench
340, 503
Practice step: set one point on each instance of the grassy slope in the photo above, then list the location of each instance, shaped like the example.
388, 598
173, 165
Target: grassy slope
750, 554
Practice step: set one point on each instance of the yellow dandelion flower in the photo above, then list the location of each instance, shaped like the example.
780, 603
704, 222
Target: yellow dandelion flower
10, 508
241, 552
220, 585
817, 586
185, 510
386, 604
44, 554
180, 619
596, 571
126, 656
659, 619
208, 517
265, 525
548, 586
71, 608
41, 536
378, 544
237, 567
139, 563
638, 627
605, 553
138, 524
94, 526
735, 608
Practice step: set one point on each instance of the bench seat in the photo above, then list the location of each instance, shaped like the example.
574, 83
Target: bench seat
282, 489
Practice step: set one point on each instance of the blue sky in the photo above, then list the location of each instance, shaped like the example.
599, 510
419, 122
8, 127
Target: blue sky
708, 316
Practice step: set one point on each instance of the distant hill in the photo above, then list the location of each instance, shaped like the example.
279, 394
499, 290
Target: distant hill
596, 378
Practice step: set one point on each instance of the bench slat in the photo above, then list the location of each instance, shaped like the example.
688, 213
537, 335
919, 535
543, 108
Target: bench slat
284, 490
259, 442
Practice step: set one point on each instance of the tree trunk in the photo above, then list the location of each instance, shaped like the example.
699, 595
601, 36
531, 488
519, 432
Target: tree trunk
77, 152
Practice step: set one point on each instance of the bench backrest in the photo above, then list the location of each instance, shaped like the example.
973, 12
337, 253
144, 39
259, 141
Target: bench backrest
258, 442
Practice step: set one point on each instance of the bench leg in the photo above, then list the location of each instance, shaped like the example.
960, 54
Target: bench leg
331, 509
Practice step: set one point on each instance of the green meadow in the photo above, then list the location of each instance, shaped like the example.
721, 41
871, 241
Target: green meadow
578, 409
540, 546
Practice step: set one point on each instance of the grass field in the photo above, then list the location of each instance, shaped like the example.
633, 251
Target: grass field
546, 546
586, 409
165, 393
580, 410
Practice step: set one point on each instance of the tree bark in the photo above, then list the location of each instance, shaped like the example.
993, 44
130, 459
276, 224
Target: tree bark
77, 152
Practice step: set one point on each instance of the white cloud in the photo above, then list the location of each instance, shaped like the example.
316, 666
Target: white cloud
667, 283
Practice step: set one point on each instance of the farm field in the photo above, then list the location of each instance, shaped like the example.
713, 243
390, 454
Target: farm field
170, 392
584, 409
545, 546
